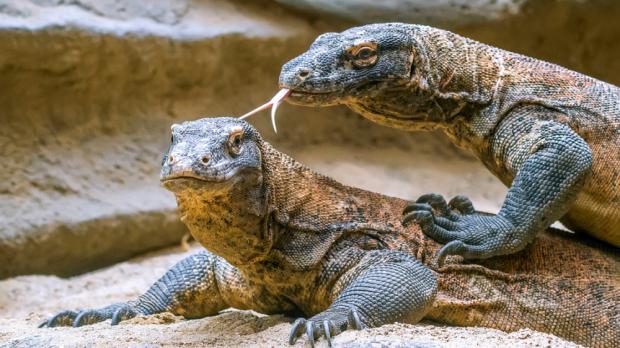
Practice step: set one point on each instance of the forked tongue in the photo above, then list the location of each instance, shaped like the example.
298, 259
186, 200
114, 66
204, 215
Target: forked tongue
273, 103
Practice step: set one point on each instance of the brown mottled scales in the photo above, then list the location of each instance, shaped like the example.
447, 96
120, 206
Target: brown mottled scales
283, 239
551, 134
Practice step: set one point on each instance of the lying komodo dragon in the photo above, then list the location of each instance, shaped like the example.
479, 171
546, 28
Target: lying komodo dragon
283, 239
551, 134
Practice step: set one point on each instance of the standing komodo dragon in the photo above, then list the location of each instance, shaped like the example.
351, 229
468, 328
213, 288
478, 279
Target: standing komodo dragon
551, 134
283, 239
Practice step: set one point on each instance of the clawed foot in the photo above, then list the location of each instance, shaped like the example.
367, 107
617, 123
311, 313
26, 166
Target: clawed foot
328, 324
461, 229
117, 313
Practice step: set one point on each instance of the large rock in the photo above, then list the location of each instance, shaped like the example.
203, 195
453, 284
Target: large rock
88, 90
442, 12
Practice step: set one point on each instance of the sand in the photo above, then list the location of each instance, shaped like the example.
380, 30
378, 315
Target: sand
26, 301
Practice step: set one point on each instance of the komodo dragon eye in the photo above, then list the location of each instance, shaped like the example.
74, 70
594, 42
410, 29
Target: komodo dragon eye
364, 55
234, 141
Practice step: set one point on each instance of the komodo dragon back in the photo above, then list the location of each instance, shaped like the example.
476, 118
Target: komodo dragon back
562, 284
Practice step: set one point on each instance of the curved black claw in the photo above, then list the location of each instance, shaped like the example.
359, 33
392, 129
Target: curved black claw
328, 324
421, 217
310, 332
354, 321
437, 202
462, 204
64, 318
123, 313
117, 312
431, 206
455, 247
439, 228
88, 317
295, 330
411, 207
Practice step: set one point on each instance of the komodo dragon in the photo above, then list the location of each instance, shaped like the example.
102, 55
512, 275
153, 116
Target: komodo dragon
283, 239
551, 134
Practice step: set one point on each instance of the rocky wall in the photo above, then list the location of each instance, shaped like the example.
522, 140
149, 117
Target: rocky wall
89, 89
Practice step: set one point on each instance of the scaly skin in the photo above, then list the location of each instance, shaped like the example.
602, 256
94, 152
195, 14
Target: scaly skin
552, 135
283, 239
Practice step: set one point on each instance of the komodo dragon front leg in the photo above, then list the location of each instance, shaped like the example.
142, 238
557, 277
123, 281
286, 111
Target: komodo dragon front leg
385, 286
546, 162
199, 285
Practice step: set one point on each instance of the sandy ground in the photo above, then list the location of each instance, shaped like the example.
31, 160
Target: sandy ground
27, 300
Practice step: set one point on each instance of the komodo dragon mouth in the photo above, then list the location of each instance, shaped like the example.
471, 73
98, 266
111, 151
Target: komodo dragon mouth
187, 175
293, 95
283, 94
177, 183
273, 104
184, 177
228, 178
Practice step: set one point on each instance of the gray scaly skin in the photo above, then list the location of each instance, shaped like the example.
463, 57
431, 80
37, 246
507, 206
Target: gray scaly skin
283, 239
552, 135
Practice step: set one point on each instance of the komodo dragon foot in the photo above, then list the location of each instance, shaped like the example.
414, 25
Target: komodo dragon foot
328, 324
117, 312
385, 286
464, 231
190, 288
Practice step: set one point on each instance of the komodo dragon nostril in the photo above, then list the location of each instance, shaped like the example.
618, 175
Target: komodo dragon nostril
170, 159
204, 159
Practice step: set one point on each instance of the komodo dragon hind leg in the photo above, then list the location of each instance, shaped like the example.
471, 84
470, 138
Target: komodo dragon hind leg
386, 286
189, 288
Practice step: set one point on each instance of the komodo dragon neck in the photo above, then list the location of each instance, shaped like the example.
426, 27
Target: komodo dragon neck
319, 212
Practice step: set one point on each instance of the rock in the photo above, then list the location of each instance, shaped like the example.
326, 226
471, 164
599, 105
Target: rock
89, 89
437, 12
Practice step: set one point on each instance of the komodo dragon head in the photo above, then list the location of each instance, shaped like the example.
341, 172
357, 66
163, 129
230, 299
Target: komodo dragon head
214, 168
391, 73
241, 198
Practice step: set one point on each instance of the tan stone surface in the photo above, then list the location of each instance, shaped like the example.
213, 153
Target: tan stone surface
90, 88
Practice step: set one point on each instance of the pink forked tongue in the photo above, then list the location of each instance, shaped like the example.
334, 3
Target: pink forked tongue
273, 103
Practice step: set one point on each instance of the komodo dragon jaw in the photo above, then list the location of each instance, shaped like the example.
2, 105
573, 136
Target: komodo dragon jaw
290, 240
551, 134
